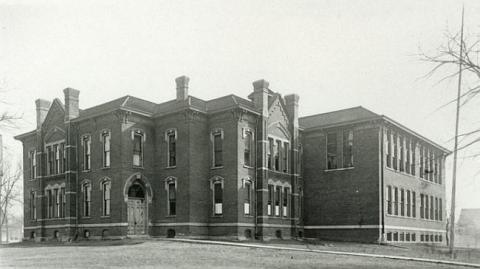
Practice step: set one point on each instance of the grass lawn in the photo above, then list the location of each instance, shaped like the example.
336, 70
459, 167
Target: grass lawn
170, 254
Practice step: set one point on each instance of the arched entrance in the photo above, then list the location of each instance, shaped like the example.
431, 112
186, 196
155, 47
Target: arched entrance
136, 208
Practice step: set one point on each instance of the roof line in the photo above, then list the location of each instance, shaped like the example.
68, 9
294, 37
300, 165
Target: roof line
335, 111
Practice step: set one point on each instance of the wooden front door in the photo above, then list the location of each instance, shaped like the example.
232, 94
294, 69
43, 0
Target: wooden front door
136, 216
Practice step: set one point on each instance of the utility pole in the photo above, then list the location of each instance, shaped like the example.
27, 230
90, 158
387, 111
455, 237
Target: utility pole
454, 177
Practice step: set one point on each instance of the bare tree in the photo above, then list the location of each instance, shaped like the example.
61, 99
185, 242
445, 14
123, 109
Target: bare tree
445, 61
10, 193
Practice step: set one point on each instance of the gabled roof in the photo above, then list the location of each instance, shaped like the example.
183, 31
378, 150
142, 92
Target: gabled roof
355, 115
470, 217
337, 117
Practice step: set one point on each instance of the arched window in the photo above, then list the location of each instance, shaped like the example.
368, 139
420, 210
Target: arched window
138, 137
87, 192
171, 140
248, 193
171, 188
106, 187
216, 185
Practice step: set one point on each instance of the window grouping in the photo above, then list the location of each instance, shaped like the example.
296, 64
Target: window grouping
396, 236
400, 202
431, 207
278, 201
87, 150
401, 153
56, 158
278, 155
431, 237
105, 188
56, 202
339, 148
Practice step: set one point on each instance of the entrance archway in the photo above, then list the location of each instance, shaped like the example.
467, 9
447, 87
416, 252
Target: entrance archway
137, 208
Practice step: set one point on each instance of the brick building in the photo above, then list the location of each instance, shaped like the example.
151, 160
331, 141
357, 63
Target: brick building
228, 167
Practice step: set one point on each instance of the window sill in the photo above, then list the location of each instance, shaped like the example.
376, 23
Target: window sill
171, 167
105, 217
216, 167
86, 217
248, 167
138, 167
410, 175
339, 169
106, 168
171, 216
217, 216
86, 171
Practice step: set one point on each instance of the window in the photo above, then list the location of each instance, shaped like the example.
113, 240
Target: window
33, 206
56, 152
402, 237
402, 152
49, 160
407, 237
286, 194
57, 203
218, 198
106, 148
402, 202
395, 201
106, 189
64, 202
348, 148
172, 198
440, 217
395, 236
248, 197
440, 172
86, 152
50, 204
138, 148
422, 206
389, 236
389, 148
432, 207
430, 166
33, 164
395, 151
286, 155
409, 153
331, 151
278, 192
408, 203
435, 169
64, 158
414, 205
87, 188
171, 145
217, 149
276, 153
426, 207
247, 153
269, 153
421, 161
270, 199
422, 238
414, 147
389, 200
414, 237
436, 208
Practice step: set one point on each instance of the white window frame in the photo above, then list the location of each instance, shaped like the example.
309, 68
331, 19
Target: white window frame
169, 181
105, 136
106, 186
141, 159
168, 133
217, 208
87, 151
87, 198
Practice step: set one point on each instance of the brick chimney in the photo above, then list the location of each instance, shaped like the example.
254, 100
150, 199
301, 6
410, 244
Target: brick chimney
42, 109
291, 103
182, 87
71, 103
260, 95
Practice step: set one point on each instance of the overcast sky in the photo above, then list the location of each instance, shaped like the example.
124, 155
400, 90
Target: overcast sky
334, 54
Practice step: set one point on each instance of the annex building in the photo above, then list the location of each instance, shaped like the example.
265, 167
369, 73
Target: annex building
228, 168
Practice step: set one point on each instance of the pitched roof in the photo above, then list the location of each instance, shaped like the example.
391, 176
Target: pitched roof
470, 217
228, 101
127, 101
337, 117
